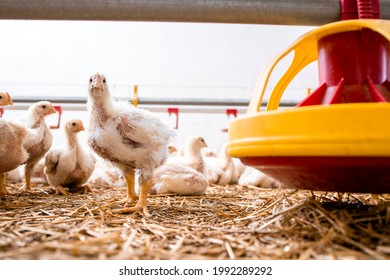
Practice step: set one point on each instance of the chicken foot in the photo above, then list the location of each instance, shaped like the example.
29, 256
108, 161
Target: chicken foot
61, 190
142, 203
79, 189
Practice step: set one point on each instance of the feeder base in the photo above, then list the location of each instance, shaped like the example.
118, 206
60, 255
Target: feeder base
338, 174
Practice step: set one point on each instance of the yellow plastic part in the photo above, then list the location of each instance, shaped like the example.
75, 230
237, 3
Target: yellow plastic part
305, 52
353, 129
314, 131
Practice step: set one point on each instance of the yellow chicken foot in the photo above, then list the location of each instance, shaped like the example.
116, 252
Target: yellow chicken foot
87, 189
142, 203
61, 190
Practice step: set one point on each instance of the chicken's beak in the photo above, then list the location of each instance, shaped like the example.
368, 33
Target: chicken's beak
9, 99
81, 127
97, 83
52, 110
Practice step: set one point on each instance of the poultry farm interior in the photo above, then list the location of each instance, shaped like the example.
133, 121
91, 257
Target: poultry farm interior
167, 84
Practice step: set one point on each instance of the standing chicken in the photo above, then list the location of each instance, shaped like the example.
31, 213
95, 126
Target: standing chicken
39, 137
129, 137
69, 166
12, 137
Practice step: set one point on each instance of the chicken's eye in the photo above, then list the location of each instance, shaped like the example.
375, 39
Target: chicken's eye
44, 106
90, 80
1, 97
74, 124
104, 81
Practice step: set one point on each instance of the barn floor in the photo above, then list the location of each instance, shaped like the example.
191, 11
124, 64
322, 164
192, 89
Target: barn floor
232, 222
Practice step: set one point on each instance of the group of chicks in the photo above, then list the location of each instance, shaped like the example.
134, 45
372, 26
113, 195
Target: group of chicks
68, 166
130, 138
216, 168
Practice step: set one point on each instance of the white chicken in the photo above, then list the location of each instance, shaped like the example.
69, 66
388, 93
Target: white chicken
129, 137
207, 152
219, 170
192, 156
105, 174
254, 177
69, 166
227, 165
178, 179
212, 169
39, 137
12, 137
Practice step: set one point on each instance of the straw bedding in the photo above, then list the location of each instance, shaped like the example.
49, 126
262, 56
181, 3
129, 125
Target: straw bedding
232, 222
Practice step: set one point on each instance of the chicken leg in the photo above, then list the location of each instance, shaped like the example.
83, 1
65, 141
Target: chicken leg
130, 182
27, 176
142, 203
3, 191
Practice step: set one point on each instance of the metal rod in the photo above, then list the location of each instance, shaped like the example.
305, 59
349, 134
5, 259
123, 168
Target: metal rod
151, 101
283, 12
152, 108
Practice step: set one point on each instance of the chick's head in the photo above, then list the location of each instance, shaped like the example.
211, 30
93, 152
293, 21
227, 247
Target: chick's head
74, 125
97, 86
197, 142
5, 99
43, 108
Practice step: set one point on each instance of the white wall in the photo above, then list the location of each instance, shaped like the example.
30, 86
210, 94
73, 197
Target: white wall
43, 59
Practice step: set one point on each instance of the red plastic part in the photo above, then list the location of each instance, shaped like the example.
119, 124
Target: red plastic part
59, 111
230, 112
355, 9
341, 174
353, 67
1, 112
174, 111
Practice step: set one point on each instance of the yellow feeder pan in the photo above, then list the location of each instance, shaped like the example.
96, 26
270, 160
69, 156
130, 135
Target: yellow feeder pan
338, 138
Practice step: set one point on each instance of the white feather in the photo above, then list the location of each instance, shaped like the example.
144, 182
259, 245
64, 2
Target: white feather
177, 179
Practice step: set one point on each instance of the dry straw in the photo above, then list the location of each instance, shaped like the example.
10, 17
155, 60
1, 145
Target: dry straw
232, 222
